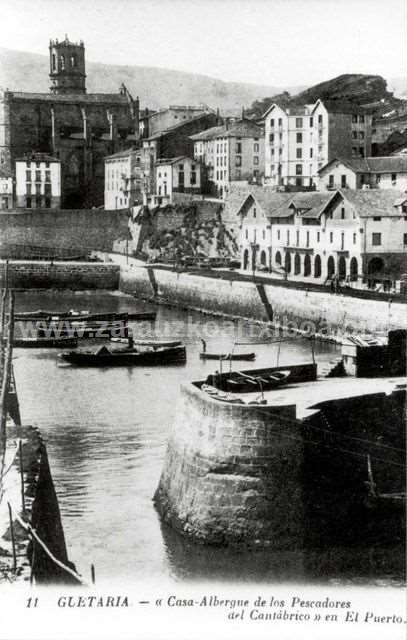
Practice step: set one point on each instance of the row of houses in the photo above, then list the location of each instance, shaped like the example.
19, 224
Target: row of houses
351, 234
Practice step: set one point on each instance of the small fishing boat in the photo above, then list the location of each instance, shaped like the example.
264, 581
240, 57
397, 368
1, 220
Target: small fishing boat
129, 357
155, 344
205, 355
244, 383
45, 343
83, 316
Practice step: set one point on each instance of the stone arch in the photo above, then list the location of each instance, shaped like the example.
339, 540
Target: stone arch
278, 258
287, 262
317, 266
342, 268
263, 258
297, 264
375, 266
331, 266
245, 259
353, 269
307, 265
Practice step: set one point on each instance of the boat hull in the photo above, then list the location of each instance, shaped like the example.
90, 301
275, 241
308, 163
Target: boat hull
173, 355
227, 356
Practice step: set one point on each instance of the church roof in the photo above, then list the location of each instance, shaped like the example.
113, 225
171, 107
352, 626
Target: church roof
82, 98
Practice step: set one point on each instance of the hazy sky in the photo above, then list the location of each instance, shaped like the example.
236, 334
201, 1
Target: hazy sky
273, 42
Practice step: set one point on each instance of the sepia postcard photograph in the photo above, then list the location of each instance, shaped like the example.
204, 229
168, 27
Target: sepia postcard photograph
203, 319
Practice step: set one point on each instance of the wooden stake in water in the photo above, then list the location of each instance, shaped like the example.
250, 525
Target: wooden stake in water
13, 542
20, 451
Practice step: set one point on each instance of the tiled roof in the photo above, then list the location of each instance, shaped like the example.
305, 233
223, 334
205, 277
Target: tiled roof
239, 129
311, 203
379, 164
174, 127
341, 106
37, 157
375, 202
121, 154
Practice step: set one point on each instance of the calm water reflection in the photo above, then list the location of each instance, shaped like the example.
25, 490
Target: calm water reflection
106, 433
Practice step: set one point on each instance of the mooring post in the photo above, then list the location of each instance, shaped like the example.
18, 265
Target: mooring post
92, 573
20, 451
13, 542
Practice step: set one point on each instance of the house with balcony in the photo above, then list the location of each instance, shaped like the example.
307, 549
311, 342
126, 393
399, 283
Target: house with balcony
129, 174
355, 235
232, 152
177, 175
38, 181
300, 140
387, 172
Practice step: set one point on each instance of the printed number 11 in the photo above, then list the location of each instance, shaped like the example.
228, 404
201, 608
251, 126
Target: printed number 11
32, 602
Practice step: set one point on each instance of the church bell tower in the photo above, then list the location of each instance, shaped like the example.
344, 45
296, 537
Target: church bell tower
67, 67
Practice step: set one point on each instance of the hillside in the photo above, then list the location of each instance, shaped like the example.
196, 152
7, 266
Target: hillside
23, 71
367, 90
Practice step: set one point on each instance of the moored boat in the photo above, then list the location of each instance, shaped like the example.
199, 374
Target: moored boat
105, 357
205, 355
83, 316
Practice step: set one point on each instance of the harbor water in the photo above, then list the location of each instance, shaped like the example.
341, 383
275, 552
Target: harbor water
106, 433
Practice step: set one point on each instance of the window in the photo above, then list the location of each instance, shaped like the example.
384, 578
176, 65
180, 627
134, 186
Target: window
354, 238
278, 234
272, 152
38, 176
318, 236
238, 162
354, 135
280, 152
272, 122
343, 181
361, 152
193, 176
331, 237
256, 147
361, 135
288, 237
299, 153
254, 212
62, 61
376, 239
331, 180
47, 189
354, 118
342, 213
342, 240
362, 119
280, 122
256, 160
320, 119
311, 153
247, 234
54, 62
238, 147
307, 238
299, 138
28, 189
405, 238
264, 234
378, 178
298, 169
298, 123
28, 202
38, 202
311, 122
271, 138
272, 168
298, 237
394, 178
377, 218
28, 176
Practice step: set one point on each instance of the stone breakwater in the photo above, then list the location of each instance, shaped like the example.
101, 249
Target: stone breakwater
269, 476
24, 274
319, 312
229, 475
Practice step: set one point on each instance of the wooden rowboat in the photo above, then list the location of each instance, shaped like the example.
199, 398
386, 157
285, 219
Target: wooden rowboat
204, 355
103, 357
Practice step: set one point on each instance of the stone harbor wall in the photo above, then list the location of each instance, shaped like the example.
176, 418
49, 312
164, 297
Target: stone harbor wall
327, 314
24, 274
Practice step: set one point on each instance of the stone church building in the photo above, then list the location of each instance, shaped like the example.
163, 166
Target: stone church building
78, 128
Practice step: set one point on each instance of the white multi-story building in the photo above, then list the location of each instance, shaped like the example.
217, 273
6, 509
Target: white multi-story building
300, 140
230, 153
177, 175
38, 182
129, 175
354, 234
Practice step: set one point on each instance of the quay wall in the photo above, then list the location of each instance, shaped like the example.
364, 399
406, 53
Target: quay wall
331, 315
60, 275
230, 472
73, 230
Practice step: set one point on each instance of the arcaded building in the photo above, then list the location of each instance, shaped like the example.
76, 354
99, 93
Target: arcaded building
78, 128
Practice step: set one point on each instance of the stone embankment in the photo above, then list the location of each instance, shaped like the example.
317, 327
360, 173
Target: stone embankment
25, 274
321, 312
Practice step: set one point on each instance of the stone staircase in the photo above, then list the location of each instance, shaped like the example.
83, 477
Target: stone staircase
332, 369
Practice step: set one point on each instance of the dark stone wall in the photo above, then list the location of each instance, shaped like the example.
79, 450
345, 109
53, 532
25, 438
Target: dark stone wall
62, 275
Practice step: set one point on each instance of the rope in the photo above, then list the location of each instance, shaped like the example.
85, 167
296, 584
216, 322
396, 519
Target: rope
12, 461
60, 564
